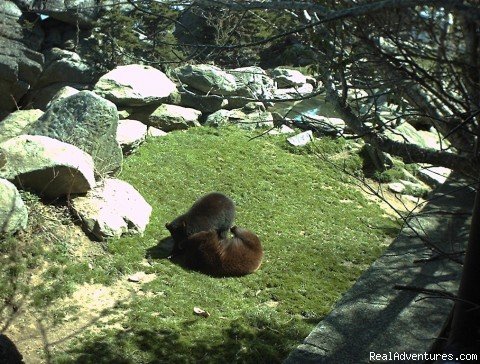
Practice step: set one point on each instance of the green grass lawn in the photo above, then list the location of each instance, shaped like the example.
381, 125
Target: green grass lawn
318, 233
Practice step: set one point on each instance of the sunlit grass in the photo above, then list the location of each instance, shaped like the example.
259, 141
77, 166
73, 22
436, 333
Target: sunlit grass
318, 232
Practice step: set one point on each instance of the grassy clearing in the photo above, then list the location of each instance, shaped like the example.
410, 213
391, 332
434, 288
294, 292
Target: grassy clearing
318, 232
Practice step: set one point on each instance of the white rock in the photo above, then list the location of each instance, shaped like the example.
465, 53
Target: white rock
134, 85
301, 139
293, 92
286, 77
113, 208
130, 134
434, 175
173, 117
155, 132
46, 165
13, 212
396, 187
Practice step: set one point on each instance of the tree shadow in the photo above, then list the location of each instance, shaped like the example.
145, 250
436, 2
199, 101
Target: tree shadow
258, 341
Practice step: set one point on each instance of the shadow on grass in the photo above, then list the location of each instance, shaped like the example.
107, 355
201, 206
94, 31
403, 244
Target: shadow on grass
162, 250
259, 341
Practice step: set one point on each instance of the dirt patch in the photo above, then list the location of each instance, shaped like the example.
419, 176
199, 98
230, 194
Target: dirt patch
92, 306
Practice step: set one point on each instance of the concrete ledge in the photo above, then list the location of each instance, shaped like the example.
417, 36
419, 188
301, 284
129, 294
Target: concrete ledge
373, 316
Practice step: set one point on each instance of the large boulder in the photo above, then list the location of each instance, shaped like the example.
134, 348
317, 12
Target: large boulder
62, 66
46, 165
81, 13
20, 60
13, 212
253, 82
130, 134
87, 121
41, 98
207, 78
16, 122
172, 117
134, 85
113, 208
285, 77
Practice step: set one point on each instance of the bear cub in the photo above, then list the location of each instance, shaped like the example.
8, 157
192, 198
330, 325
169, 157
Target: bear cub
207, 252
214, 211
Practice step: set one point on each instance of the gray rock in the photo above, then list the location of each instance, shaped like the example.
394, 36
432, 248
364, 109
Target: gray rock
434, 175
253, 82
20, 60
42, 98
405, 187
13, 212
87, 121
286, 78
396, 187
16, 122
408, 134
62, 66
203, 103
301, 139
48, 166
207, 79
112, 209
172, 117
134, 85
240, 118
130, 134
293, 92
326, 125
77, 12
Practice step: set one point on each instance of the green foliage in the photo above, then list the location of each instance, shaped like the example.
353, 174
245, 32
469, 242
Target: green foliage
135, 36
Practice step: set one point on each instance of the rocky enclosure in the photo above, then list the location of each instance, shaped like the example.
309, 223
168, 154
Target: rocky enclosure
64, 129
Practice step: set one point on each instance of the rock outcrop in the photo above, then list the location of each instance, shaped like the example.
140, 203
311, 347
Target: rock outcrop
87, 121
112, 209
47, 166
207, 78
20, 59
134, 85
13, 212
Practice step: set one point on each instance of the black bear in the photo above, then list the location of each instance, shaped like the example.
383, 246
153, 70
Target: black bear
237, 256
214, 211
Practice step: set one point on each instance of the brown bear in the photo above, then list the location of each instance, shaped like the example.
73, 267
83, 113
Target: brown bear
214, 211
240, 255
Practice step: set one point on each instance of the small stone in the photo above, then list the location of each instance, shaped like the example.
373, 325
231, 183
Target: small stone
301, 139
